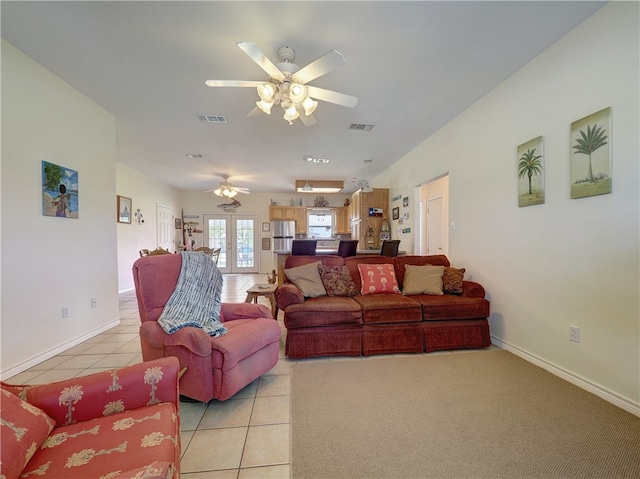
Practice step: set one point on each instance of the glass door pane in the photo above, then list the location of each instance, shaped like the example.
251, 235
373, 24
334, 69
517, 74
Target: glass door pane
236, 237
246, 260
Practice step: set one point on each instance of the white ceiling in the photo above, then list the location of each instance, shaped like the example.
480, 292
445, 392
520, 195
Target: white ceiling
413, 65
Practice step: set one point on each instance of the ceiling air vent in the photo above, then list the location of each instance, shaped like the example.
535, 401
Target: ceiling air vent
360, 127
212, 118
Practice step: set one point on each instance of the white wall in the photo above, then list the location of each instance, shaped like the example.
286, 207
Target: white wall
145, 193
567, 262
50, 262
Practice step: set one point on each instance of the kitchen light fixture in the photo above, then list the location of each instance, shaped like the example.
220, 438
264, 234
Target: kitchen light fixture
319, 186
225, 192
364, 183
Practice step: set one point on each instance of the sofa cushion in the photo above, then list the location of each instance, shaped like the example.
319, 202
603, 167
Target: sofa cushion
425, 279
323, 311
146, 438
378, 279
25, 428
452, 280
388, 308
337, 281
451, 306
307, 278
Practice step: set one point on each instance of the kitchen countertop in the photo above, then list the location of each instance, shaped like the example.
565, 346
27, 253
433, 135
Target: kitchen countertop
321, 251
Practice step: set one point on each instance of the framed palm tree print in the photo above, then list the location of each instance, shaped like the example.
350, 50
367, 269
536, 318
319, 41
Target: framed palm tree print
531, 173
591, 155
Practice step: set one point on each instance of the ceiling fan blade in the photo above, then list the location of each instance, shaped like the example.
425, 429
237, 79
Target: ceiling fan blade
255, 113
332, 96
241, 83
306, 120
245, 191
326, 63
263, 62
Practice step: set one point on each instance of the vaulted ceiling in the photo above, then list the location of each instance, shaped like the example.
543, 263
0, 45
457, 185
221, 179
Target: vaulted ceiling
413, 66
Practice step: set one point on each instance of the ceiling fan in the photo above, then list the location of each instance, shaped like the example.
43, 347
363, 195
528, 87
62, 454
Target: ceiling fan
227, 190
287, 84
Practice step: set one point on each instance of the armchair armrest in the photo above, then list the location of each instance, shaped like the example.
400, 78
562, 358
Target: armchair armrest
100, 394
471, 289
288, 294
231, 311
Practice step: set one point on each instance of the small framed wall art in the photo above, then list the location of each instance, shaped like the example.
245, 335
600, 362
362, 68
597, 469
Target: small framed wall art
266, 244
178, 224
530, 173
395, 212
266, 226
59, 191
124, 209
591, 155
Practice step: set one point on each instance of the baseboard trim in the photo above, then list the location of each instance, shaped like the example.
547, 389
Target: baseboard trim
55, 351
581, 382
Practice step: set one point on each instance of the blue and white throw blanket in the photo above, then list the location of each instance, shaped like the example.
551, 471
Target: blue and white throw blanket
196, 299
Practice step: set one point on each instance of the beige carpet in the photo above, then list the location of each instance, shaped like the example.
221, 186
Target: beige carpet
472, 415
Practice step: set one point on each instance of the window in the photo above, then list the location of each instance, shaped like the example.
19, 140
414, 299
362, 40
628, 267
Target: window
320, 225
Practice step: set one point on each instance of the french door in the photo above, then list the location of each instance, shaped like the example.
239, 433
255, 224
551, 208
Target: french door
237, 238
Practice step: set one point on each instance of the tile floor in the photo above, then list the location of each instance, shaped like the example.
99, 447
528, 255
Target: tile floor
245, 437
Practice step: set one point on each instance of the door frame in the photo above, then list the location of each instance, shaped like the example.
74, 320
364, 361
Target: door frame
231, 241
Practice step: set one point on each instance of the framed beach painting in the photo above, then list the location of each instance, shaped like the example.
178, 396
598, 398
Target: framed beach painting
124, 209
591, 155
59, 191
531, 173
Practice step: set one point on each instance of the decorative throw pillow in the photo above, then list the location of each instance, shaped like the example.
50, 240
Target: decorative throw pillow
307, 278
425, 279
24, 429
452, 280
337, 281
378, 278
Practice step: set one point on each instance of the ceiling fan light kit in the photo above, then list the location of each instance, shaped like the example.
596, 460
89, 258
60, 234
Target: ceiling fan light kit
227, 190
287, 84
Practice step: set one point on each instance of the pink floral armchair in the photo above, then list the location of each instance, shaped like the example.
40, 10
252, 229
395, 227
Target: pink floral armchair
118, 424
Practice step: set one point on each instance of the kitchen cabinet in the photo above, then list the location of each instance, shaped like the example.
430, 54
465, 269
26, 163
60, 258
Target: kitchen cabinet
290, 213
342, 220
301, 220
366, 228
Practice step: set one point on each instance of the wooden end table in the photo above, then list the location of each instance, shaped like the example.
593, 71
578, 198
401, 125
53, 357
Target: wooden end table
266, 290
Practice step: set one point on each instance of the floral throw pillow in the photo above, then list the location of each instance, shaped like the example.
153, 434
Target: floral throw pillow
452, 280
337, 281
24, 429
378, 278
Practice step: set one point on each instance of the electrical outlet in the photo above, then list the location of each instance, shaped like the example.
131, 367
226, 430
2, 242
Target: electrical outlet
94, 303
574, 334
65, 311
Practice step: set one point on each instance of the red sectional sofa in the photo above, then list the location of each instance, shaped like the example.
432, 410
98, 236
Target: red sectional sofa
381, 323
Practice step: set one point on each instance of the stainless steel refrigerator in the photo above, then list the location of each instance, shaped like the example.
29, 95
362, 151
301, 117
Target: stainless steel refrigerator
283, 233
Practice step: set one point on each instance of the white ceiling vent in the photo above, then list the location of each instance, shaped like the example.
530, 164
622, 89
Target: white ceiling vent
212, 118
360, 127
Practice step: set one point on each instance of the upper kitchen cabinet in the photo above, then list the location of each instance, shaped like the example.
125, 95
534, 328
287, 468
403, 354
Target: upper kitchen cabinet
290, 213
342, 220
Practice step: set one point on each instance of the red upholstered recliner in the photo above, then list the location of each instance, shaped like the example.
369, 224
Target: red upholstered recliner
217, 368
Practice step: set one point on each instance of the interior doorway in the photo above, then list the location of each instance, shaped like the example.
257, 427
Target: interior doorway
434, 216
166, 228
237, 238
